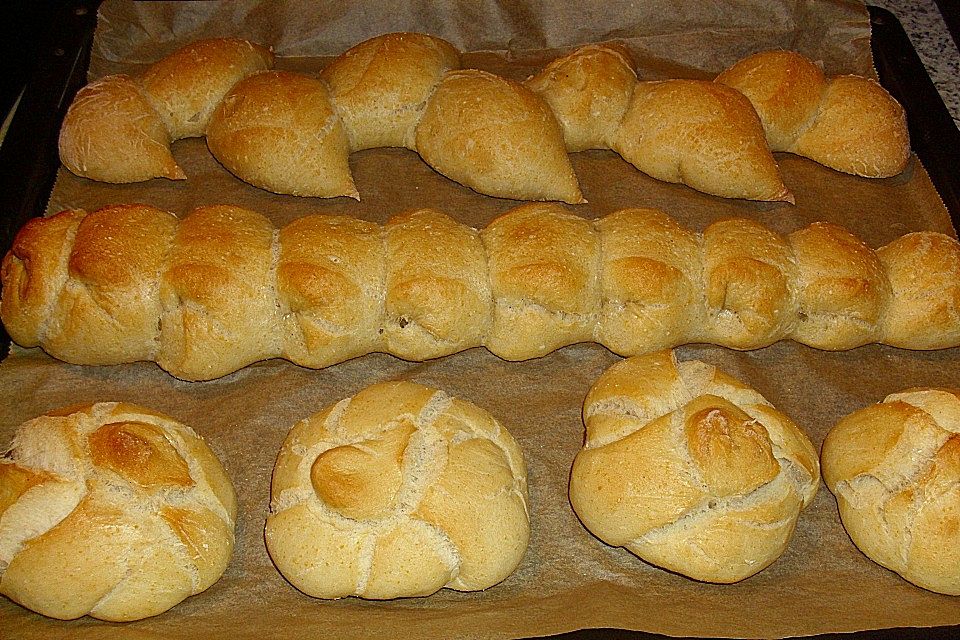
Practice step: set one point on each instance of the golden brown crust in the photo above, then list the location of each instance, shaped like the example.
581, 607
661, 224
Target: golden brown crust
34, 272
278, 131
848, 123
860, 129
330, 283
232, 290
112, 134
544, 278
110, 298
398, 491
497, 137
784, 87
186, 86
894, 468
748, 275
438, 297
589, 91
651, 285
381, 86
923, 311
843, 288
218, 294
690, 469
112, 511
702, 134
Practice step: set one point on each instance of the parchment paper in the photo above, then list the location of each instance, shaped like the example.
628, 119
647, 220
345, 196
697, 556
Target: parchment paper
568, 579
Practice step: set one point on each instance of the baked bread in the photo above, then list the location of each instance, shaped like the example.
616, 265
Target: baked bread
848, 123
381, 86
113, 511
112, 133
589, 90
278, 131
221, 289
398, 491
894, 468
119, 129
684, 131
690, 469
497, 137
288, 133
699, 134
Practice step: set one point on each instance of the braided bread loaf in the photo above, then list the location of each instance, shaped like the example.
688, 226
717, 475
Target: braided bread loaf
290, 133
111, 510
690, 469
398, 491
220, 289
895, 470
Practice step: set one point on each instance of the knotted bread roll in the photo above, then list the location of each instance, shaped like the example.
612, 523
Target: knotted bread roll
398, 491
222, 288
894, 468
690, 469
111, 510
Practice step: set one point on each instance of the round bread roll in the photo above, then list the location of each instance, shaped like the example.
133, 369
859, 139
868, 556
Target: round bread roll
894, 468
398, 491
690, 469
111, 510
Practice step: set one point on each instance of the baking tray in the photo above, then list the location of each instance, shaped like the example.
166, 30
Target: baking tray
48, 49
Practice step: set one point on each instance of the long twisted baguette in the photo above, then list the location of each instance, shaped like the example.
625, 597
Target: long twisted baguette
222, 288
290, 133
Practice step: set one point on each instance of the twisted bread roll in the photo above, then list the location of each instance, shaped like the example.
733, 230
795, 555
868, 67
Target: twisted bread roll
691, 132
683, 131
288, 133
848, 123
690, 469
111, 510
119, 129
894, 468
221, 289
398, 491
